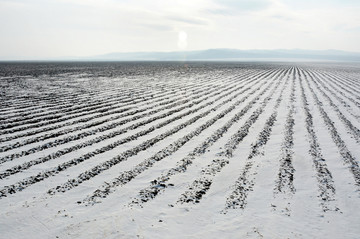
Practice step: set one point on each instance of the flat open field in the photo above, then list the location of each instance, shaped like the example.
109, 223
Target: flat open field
174, 150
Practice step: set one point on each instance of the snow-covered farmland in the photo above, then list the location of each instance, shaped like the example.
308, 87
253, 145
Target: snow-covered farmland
172, 150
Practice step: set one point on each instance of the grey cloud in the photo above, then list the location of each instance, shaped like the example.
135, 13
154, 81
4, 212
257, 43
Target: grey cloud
229, 7
282, 17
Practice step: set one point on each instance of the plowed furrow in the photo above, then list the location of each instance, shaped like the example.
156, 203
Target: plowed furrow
285, 180
338, 88
347, 156
83, 120
159, 184
98, 139
343, 102
41, 176
349, 86
105, 97
57, 142
63, 110
325, 181
40, 122
354, 131
245, 183
69, 102
127, 176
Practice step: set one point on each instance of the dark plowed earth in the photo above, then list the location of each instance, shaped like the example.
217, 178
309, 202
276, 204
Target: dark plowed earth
129, 175
340, 90
354, 131
164, 99
168, 103
338, 98
285, 182
98, 169
324, 177
104, 128
245, 183
155, 188
347, 156
118, 132
165, 152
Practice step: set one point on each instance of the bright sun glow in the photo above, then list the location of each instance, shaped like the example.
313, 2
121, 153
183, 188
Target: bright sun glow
182, 40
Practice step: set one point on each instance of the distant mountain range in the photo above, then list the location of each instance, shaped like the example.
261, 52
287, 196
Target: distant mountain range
230, 55
221, 54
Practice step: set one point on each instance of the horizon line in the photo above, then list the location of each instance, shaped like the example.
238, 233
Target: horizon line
100, 57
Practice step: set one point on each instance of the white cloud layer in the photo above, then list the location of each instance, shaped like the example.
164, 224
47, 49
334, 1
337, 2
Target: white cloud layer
32, 29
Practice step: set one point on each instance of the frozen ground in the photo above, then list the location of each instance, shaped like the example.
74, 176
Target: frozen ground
171, 150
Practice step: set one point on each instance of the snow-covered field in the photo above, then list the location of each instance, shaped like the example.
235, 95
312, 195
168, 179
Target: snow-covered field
168, 150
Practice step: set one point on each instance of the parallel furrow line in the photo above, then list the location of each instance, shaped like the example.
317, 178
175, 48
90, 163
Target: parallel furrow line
107, 127
325, 181
41, 176
109, 98
31, 116
354, 131
64, 103
202, 184
98, 139
347, 156
285, 182
127, 176
163, 153
342, 101
357, 104
340, 87
99, 108
159, 184
52, 127
344, 82
101, 129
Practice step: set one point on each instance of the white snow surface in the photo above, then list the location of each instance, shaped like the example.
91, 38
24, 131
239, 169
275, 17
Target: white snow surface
247, 118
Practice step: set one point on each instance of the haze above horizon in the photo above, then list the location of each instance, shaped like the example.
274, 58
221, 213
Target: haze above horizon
41, 29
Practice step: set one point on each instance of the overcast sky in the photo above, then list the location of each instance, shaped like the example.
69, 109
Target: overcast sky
33, 29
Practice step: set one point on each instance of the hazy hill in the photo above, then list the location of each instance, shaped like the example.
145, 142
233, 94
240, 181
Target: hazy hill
231, 54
